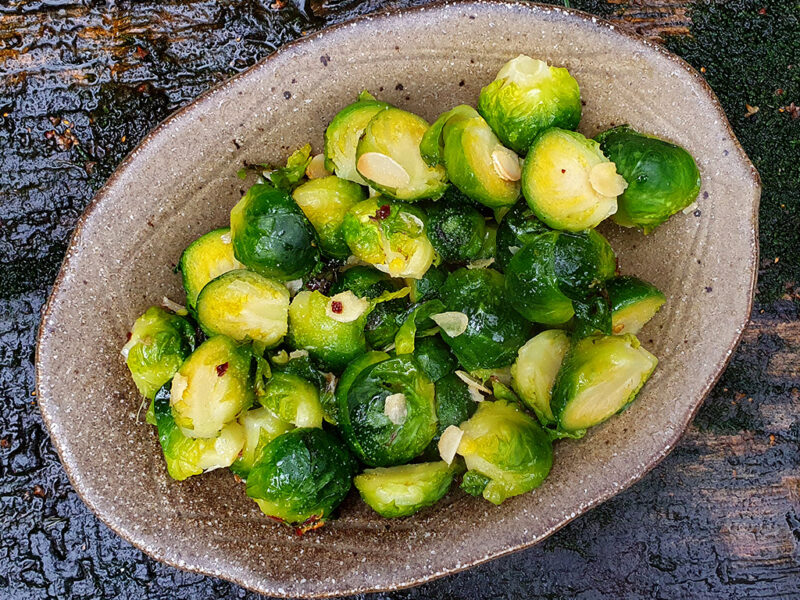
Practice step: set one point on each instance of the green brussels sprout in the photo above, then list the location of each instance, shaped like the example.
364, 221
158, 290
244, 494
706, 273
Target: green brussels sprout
506, 446
353, 370
383, 323
418, 315
535, 370
454, 403
662, 177
456, 231
494, 331
388, 157
435, 357
489, 247
555, 268
527, 97
633, 303
592, 315
427, 287
389, 235
293, 400
568, 182
475, 160
271, 235
406, 489
299, 363
325, 201
212, 387
387, 414
158, 344
516, 229
206, 258
600, 376
260, 426
333, 341
301, 476
343, 133
473, 483
186, 456
245, 306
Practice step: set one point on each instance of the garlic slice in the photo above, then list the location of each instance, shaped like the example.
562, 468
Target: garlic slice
481, 263
449, 442
472, 383
346, 307
395, 408
606, 181
452, 323
383, 170
316, 168
506, 164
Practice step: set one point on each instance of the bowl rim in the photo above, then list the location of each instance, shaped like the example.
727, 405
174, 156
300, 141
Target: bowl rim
199, 103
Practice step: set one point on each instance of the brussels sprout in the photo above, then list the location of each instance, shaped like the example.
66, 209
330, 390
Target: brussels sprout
388, 157
387, 414
260, 426
568, 182
271, 235
435, 357
343, 133
353, 370
516, 229
245, 306
454, 403
456, 231
506, 446
403, 490
526, 97
158, 344
600, 376
300, 364
418, 315
301, 476
187, 456
494, 331
333, 342
633, 303
535, 370
389, 235
293, 400
427, 287
592, 315
489, 247
555, 268
206, 258
662, 177
325, 201
212, 387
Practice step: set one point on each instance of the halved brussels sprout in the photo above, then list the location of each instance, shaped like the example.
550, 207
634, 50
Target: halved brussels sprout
428, 286
387, 414
494, 331
516, 229
403, 490
435, 357
568, 182
389, 235
388, 157
343, 133
554, 268
333, 342
535, 370
301, 477
456, 231
187, 456
526, 97
507, 447
633, 303
600, 376
662, 177
325, 201
212, 387
245, 306
271, 235
159, 342
206, 258
293, 400
260, 426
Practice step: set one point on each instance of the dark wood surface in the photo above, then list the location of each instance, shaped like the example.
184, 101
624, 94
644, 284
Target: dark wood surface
82, 81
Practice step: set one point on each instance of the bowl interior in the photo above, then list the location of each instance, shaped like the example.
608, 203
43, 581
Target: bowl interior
182, 182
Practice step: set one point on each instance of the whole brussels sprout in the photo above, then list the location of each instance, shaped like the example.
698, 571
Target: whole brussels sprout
428, 286
406, 489
527, 97
325, 201
260, 426
435, 357
600, 376
662, 177
159, 343
633, 303
186, 456
494, 331
206, 258
507, 447
388, 414
388, 157
389, 235
293, 400
456, 231
301, 477
516, 229
271, 235
568, 182
535, 370
211, 387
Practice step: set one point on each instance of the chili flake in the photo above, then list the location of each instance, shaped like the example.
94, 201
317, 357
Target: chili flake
222, 369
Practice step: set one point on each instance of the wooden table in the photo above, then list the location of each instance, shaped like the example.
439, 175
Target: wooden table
83, 81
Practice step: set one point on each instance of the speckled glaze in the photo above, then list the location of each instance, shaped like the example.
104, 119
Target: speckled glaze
181, 182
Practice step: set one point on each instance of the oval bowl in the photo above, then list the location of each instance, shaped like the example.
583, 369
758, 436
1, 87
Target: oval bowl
181, 182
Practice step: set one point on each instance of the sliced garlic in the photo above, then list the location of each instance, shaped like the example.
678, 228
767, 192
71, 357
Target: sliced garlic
452, 323
475, 395
225, 238
330, 382
690, 209
316, 168
506, 164
346, 307
472, 383
481, 263
298, 354
513, 250
179, 385
395, 408
449, 442
383, 170
294, 286
127, 347
178, 309
606, 181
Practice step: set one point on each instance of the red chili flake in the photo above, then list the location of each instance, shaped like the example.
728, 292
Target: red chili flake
141, 52
779, 92
383, 212
39, 491
563, 170
4, 443
222, 369
762, 11
336, 307
128, 339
